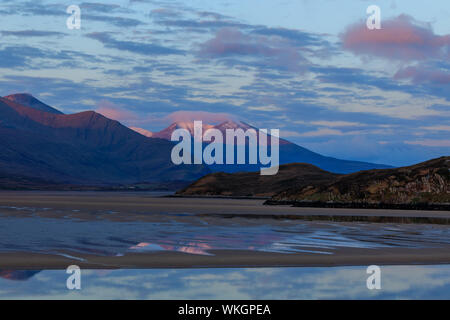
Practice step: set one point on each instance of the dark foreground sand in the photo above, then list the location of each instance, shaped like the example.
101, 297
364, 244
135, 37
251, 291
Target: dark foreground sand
231, 258
136, 206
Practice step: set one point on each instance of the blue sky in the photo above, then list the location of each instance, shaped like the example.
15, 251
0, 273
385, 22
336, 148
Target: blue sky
307, 67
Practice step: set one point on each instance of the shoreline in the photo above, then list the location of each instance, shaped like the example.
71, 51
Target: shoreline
361, 205
341, 218
145, 206
165, 194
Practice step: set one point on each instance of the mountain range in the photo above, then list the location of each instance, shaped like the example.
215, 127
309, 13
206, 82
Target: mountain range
83, 148
289, 152
40, 145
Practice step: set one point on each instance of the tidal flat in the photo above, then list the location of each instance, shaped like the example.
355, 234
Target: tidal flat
108, 230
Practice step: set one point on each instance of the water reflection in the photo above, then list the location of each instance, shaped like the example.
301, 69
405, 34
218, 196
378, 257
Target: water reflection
18, 275
200, 236
191, 248
398, 282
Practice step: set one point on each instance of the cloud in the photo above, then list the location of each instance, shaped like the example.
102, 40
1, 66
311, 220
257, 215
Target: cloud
299, 37
360, 78
437, 128
232, 42
289, 134
322, 132
421, 75
117, 21
19, 56
144, 132
207, 117
337, 124
269, 108
161, 13
99, 7
430, 143
23, 56
400, 38
34, 8
135, 47
125, 115
114, 112
89, 9
32, 33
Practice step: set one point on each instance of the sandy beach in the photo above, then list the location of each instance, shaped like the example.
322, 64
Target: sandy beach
140, 204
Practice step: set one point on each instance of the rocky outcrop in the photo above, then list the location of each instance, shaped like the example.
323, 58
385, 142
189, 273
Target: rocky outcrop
427, 182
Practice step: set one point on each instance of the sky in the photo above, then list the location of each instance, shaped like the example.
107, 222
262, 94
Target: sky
310, 68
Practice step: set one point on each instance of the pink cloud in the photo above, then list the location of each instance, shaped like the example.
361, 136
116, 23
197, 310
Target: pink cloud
144, 132
399, 38
233, 42
230, 41
419, 75
114, 112
207, 117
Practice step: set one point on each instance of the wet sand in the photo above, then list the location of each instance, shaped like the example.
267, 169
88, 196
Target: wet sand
120, 207
230, 259
136, 204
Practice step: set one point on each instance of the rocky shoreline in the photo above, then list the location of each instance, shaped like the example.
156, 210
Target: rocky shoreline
361, 205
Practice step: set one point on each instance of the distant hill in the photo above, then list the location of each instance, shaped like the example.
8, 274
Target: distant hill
83, 148
289, 152
253, 184
427, 182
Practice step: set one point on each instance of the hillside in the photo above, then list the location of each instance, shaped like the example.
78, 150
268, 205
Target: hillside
252, 184
83, 148
427, 182
28, 100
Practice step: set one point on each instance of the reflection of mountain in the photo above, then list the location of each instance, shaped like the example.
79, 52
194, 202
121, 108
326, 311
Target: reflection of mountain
189, 247
18, 275
82, 148
289, 152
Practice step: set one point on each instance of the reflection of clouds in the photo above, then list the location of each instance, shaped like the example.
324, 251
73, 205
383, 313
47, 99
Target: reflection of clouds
195, 237
190, 247
211, 276
350, 282
18, 275
260, 283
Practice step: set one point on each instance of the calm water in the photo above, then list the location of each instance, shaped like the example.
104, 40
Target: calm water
102, 234
194, 235
397, 282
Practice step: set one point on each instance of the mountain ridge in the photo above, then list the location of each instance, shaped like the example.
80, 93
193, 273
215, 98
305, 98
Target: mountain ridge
289, 152
85, 148
28, 100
